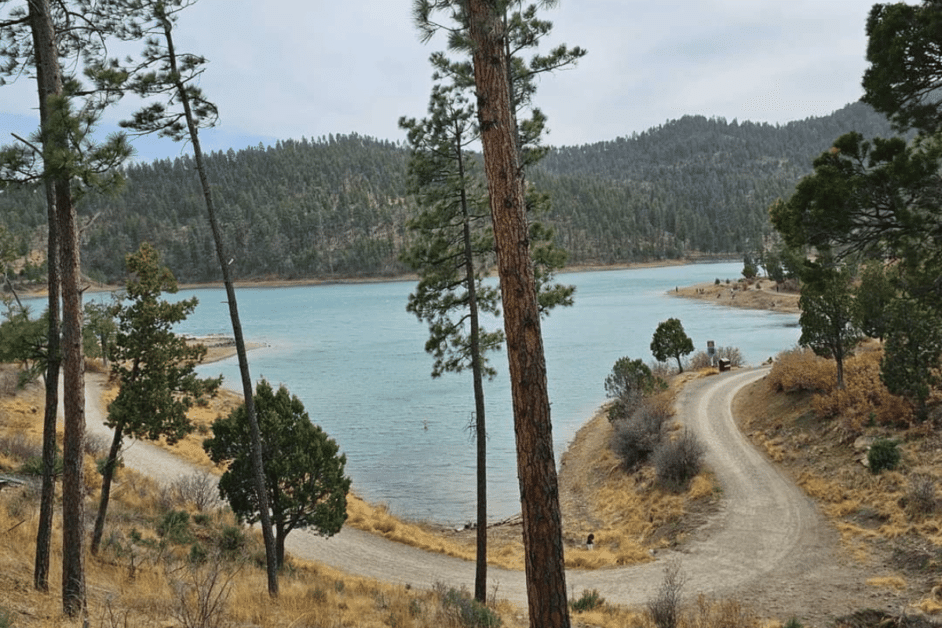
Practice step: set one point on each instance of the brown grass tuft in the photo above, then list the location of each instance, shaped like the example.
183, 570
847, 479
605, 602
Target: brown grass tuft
147, 583
799, 370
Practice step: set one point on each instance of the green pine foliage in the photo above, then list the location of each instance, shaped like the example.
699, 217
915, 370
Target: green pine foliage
154, 367
452, 245
23, 340
671, 341
589, 601
883, 455
911, 357
304, 469
876, 291
829, 314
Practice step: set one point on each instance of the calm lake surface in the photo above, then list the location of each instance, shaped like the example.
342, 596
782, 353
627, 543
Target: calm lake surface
356, 359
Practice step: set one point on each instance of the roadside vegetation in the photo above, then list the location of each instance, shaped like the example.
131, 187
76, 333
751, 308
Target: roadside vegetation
176, 554
861, 453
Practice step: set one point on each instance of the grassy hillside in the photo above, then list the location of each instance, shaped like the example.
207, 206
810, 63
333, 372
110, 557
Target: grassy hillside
150, 574
170, 557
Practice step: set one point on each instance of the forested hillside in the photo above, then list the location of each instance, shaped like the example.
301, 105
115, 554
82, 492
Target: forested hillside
693, 185
338, 206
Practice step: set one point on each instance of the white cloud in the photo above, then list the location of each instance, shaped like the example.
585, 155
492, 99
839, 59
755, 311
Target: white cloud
287, 68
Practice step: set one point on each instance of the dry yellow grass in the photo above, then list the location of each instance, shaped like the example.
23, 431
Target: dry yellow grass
850, 492
863, 401
154, 587
702, 612
932, 604
378, 520
772, 447
628, 513
888, 582
817, 427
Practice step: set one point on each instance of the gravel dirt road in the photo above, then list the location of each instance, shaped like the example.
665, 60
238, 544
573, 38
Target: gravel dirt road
767, 544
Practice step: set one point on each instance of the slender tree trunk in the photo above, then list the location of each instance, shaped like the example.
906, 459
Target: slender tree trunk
536, 465
51, 411
271, 553
280, 535
480, 428
839, 361
480, 573
73, 481
106, 478
73, 475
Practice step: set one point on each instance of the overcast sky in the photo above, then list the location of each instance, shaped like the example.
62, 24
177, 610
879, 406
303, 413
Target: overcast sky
290, 68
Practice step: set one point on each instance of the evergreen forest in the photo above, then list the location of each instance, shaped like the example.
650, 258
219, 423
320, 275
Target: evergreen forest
337, 207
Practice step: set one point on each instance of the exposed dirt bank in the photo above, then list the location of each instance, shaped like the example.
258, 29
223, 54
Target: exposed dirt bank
762, 294
220, 347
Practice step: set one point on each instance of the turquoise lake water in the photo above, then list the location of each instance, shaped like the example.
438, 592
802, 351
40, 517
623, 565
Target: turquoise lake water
356, 359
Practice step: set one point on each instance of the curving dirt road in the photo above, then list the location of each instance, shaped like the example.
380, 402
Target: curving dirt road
767, 545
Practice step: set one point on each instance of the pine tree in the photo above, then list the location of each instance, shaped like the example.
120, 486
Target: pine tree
452, 253
62, 153
174, 78
877, 289
519, 29
903, 48
153, 366
304, 474
911, 355
671, 341
829, 313
536, 466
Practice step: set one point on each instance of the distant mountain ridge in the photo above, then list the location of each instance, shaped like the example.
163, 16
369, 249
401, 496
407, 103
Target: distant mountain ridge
338, 206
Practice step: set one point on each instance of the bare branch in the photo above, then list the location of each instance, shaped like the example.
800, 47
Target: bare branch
36, 149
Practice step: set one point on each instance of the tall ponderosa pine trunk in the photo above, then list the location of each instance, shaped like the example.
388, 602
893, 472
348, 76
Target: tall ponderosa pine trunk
73, 481
271, 551
536, 467
73, 403
50, 413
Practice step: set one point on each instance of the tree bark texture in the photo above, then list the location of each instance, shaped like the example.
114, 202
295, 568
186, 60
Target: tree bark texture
73, 403
50, 413
106, 480
73, 480
536, 465
53, 365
